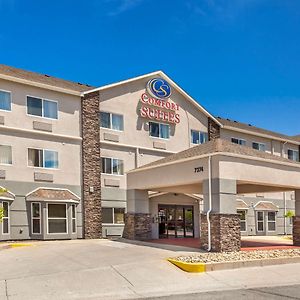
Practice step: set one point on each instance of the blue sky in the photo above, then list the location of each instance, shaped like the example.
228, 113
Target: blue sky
239, 58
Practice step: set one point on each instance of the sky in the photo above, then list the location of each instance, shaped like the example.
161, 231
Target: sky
240, 59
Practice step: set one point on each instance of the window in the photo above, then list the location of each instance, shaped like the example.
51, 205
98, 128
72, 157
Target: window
198, 137
5, 100
5, 219
42, 158
112, 166
111, 121
260, 220
112, 215
5, 155
271, 221
238, 141
259, 146
293, 155
42, 107
159, 130
36, 218
73, 207
242, 214
57, 218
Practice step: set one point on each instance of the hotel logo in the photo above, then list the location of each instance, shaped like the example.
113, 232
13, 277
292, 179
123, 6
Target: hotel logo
159, 88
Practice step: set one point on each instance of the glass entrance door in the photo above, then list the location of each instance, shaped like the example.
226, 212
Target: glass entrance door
176, 221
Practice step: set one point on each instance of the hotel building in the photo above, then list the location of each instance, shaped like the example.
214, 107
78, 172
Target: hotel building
85, 162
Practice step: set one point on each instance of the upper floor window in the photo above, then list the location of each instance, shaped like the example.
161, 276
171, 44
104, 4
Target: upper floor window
5, 100
5, 155
42, 107
238, 141
159, 130
111, 121
293, 155
112, 166
199, 137
42, 158
259, 146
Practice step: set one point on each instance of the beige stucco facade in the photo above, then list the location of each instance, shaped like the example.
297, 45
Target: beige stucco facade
22, 131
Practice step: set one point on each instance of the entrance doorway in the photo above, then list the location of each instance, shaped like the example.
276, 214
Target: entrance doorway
176, 221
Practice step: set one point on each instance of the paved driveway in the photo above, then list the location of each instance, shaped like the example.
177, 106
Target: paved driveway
102, 269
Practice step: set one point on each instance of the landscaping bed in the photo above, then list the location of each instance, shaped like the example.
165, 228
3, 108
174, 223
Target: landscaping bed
238, 256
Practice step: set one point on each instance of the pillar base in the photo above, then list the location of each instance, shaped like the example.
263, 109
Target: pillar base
137, 226
225, 232
296, 231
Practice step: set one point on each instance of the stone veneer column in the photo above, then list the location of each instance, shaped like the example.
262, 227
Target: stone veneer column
91, 166
225, 222
137, 219
225, 232
213, 130
296, 220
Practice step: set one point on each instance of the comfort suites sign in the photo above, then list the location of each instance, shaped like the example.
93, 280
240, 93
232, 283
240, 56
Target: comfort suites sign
156, 104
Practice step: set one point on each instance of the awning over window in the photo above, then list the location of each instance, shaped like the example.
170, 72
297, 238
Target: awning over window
6, 195
241, 204
266, 205
52, 195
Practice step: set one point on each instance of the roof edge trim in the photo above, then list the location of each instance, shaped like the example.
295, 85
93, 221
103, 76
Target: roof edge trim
40, 85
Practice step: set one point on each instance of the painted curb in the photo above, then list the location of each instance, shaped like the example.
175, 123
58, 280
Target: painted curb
189, 267
17, 245
210, 267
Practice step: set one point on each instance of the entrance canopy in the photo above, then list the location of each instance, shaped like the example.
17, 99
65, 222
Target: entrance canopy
184, 172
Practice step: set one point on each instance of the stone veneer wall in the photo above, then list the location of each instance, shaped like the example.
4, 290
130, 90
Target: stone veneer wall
213, 130
137, 226
225, 232
91, 166
296, 231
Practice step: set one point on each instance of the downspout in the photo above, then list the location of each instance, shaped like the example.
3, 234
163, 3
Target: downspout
284, 198
209, 205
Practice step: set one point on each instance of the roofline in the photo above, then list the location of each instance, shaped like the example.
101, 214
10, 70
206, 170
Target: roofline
290, 164
269, 136
51, 188
162, 74
40, 85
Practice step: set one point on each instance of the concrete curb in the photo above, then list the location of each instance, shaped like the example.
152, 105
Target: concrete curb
210, 267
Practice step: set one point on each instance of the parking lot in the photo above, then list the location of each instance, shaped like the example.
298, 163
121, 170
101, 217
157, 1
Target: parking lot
104, 269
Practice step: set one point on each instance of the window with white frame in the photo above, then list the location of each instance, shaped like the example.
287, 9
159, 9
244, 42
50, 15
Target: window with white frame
57, 218
259, 146
271, 220
260, 222
238, 141
5, 219
242, 214
42, 158
73, 207
42, 107
5, 100
111, 121
198, 137
35, 218
112, 166
5, 155
159, 130
293, 155
113, 215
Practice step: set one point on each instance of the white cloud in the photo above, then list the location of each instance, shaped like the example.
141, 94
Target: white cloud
122, 6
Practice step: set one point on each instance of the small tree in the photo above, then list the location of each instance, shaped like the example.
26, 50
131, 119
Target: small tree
289, 214
2, 191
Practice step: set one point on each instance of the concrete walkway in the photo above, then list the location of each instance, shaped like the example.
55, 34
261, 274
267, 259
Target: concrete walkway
102, 269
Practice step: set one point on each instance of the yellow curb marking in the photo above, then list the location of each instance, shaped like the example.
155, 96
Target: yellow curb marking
189, 267
17, 245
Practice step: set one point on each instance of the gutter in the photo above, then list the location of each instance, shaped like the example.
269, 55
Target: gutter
209, 205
